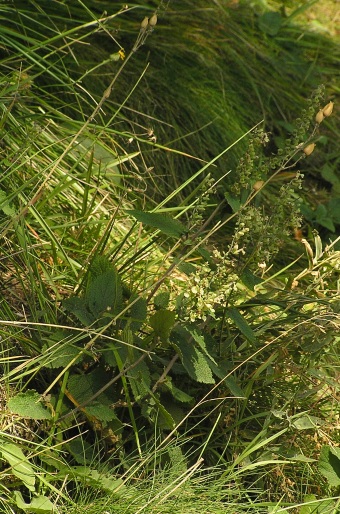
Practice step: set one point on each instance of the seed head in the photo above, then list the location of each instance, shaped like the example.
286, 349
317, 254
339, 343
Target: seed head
257, 186
328, 109
153, 20
144, 23
319, 117
309, 149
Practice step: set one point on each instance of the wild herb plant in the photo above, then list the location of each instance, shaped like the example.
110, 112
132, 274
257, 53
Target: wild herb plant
139, 340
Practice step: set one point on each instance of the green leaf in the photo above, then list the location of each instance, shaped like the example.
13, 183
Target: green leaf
329, 465
162, 322
328, 173
270, 23
179, 395
5, 206
78, 307
199, 339
93, 478
156, 412
187, 268
235, 389
305, 422
241, 323
311, 508
105, 293
161, 301
101, 412
39, 505
326, 222
192, 359
249, 279
60, 357
162, 222
137, 312
21, 468
140, 380
83, 387
334, 208
234, 202
28, 405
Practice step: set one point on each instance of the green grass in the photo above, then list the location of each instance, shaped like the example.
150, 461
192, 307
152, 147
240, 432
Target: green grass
150, 361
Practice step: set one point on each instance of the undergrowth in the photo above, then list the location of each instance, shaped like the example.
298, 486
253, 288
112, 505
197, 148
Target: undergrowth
157, 351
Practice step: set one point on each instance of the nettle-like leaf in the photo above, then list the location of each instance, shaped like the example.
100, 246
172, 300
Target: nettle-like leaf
28, 405
140, 380
193, 360
158, 412
82, 388
93, 478
39, 505
137, 312
199, 338
178, 394
78, 307
329, 465
102, 412
21, 468
105, 294
162, 322
60, 356
163, 222
161, 300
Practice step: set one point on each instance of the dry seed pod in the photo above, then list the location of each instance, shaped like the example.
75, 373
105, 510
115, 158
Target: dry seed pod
328, 109
309, 149
319, 117
257, 186
144, 23
153, 20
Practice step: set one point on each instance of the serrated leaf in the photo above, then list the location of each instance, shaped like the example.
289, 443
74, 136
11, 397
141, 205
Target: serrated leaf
199, 339
28, 405
162, 222
162, 322
178, 394
21, 468
83, 387
140, 380
105, 293
39, 505
193, 360
61, 357
101, 412
161, 301
241, 324
78, 307
329, 465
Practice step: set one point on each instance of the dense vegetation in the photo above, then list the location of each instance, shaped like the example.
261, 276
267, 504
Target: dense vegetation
170, 203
